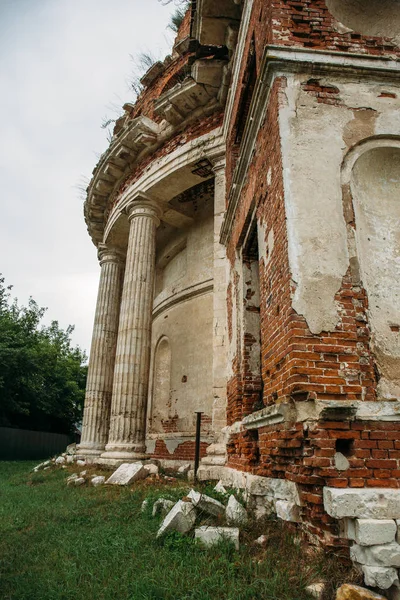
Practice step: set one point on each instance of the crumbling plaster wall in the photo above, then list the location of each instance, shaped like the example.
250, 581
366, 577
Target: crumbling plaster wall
320, 121
183, 315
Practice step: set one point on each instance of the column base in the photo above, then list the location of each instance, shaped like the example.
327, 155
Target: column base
89, 450
119, 453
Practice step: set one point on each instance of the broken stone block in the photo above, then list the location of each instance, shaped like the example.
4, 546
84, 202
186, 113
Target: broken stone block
162, 506
76, 481
287, 511
215, 535
341, 462
316, 590
60, 460
127, 473
99, 480
220, 488
386, 555
206, 503
370, 532
42, 465
262, 540
236, 514
184, 469
151, 469
81, 462
180, 518
380, 577
365, 503
71, 449
355, 592
70, 459
83, 474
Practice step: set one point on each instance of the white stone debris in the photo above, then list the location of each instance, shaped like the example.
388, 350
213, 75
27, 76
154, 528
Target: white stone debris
190, 475
83, 474
98, 480
371, 532
365, 503
386, 555
46, 468
215, 535
316, 590
127, 473
162, 506
262, 540
236, 514
42, 465
341, 462
184, 469
220, 488
151, 469
81, 462
181, 518
206, 503
380, 577
78, 481
70, 459
60, 460
144, 506
287, 511
71, 449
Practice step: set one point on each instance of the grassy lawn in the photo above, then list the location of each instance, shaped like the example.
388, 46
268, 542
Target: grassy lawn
85, 543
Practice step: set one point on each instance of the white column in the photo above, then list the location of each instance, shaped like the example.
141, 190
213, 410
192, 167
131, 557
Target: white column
220, 319
131, 373
96, 415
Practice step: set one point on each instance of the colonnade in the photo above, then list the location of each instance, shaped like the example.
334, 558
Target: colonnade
114, 422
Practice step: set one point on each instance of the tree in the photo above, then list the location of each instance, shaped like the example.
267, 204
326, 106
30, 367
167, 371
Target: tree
42, 377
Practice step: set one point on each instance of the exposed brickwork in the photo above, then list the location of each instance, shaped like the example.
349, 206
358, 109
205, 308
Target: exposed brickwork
302, 23
192, 131
184, 451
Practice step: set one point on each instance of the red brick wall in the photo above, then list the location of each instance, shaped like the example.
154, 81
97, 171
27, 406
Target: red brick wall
184, 451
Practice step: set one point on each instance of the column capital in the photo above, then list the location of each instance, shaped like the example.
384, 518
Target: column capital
218, 164
108, 254
142, 205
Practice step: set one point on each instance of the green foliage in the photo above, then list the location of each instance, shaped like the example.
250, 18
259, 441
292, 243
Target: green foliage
178, 16
42, 377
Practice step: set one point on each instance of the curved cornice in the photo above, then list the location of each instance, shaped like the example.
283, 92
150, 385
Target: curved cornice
198, 96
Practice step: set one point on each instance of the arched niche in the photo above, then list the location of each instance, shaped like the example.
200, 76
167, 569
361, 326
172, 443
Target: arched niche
378, 18
161, 401
374, 179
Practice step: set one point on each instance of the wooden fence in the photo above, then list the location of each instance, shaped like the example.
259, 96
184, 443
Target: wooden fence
22, 444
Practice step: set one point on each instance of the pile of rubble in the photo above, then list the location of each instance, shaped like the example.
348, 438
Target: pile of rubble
182, 515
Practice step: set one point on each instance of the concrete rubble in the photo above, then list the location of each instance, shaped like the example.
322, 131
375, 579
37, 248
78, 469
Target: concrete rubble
316, 590
206, 503
181, 518
236, 514
151, 469
215, 535
162, 506
127, 473
98, 480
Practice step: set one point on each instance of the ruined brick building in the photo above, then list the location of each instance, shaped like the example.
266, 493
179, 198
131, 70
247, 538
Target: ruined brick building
247, 218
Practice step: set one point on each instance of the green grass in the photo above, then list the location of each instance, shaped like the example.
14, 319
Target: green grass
65, 543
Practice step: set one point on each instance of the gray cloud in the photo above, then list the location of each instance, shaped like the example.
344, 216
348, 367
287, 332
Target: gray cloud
62, 63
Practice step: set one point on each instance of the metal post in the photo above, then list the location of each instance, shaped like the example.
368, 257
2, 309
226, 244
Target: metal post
197, 448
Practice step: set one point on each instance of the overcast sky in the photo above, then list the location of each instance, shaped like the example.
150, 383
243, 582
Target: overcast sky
62, 64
